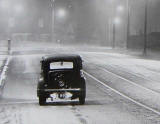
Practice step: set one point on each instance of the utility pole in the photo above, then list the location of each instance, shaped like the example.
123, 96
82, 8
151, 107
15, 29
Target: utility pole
109, 30
114, 34
145, 27
113, 26
53, 19
128, 22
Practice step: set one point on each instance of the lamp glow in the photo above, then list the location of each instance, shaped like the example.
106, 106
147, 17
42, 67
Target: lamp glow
4, 4
61, 13
120, 8
18, 8
117, 20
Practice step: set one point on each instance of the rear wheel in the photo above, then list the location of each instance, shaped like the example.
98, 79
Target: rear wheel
83, 93
42, 100
81, 100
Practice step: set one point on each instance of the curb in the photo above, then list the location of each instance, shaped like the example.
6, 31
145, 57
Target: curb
3, 74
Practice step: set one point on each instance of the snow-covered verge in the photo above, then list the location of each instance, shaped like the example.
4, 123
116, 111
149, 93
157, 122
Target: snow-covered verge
4, 70
4, 61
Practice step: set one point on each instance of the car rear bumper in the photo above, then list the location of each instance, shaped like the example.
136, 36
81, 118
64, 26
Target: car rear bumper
47, 92
62, 90
73, 90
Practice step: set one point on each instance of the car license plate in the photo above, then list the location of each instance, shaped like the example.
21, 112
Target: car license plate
61, 95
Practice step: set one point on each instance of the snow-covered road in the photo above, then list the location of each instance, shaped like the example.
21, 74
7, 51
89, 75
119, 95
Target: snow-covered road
19, 104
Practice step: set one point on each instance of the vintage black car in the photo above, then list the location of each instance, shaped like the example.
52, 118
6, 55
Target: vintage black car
61, 76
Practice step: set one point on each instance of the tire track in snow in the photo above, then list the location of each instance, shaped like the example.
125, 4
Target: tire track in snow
123, 95
80, 117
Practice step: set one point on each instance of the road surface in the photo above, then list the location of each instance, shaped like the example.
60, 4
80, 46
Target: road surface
121, 89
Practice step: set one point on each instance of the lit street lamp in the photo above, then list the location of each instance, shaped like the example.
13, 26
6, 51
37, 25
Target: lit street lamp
61, 13
120, 8
115, 22
4, 4
18, 8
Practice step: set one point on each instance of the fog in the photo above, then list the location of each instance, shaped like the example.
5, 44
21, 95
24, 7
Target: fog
110, 23
118, 42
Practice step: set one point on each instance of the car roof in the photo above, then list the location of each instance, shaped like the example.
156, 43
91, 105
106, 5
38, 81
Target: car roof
56, 57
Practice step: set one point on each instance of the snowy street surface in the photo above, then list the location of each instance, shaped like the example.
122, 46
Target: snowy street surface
121, 89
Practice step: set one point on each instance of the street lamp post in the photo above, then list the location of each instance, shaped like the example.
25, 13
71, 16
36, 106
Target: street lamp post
114, 35
128, 22
115, 22
145, 28
52, 19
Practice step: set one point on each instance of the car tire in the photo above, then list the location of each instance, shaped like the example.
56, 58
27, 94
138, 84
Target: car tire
42, 100
81, 100
83, 93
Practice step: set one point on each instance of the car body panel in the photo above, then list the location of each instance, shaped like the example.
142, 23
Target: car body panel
61, 80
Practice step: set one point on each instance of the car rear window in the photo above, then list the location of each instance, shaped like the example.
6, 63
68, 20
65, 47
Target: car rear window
61, 65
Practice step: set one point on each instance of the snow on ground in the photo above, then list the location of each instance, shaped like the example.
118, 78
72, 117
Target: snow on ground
19, 104
143, 67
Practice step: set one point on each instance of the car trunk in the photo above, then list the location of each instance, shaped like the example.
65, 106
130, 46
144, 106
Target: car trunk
63, 79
